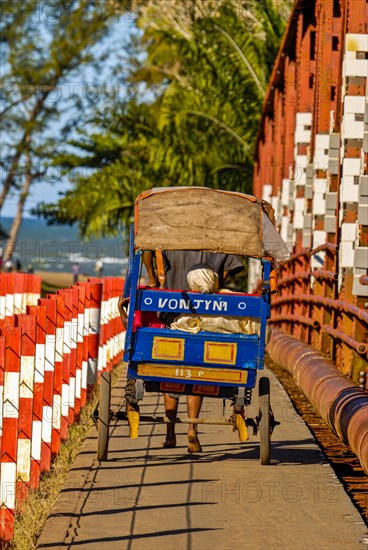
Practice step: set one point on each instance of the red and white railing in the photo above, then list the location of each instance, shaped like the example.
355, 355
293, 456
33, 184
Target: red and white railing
50, 350
17, 291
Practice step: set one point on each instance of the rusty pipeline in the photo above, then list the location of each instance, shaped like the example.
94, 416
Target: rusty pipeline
342, 404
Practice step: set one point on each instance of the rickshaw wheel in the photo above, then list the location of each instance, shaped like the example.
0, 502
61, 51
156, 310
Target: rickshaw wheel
264, 420
104, 416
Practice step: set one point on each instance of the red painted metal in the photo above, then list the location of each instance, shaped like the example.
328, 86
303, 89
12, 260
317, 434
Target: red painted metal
9, 443
48, 386
27, 325
38, 393
37, 365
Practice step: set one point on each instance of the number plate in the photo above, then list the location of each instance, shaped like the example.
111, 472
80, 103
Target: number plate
205, 374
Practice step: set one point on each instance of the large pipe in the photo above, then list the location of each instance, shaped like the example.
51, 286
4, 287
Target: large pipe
342, 404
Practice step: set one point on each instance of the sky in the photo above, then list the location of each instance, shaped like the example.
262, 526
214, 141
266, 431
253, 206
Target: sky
48, 191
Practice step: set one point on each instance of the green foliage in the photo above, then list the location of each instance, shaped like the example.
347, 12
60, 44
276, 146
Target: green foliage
44, 49
204, 68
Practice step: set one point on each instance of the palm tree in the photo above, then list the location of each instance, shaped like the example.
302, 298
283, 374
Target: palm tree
207, 72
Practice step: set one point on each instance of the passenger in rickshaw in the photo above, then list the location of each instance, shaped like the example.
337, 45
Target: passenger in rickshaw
179, 267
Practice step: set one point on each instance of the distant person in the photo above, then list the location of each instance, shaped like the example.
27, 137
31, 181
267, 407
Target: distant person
18, 265
75, 271
9, 265
30, 269
99, 267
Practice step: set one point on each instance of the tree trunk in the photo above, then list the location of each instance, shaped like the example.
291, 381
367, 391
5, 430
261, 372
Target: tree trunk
21, 145
9, 178
13, 235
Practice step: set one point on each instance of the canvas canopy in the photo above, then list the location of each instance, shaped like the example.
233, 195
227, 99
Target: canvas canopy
199, 218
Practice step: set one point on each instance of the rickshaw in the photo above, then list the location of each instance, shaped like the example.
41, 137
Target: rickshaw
211, 364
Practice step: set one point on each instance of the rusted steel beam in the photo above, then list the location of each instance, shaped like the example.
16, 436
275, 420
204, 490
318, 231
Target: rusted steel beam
348, 340
323, 103
305, 275
327, 247
301, 320
277, 71
357, 23
325, 274
302, 275
337, 400
329, 302
290, 116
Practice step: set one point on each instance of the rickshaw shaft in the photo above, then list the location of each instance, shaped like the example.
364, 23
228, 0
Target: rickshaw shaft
184, 420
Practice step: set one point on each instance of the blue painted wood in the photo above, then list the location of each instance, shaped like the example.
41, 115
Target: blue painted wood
129, 339
266, 307
138, 345
129, 273
247, 347
238, 305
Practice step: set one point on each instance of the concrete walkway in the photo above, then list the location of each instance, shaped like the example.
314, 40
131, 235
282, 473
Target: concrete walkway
147, 497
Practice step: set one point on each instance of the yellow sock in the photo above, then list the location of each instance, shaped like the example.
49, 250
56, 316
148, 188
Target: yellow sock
133, 420
241, 427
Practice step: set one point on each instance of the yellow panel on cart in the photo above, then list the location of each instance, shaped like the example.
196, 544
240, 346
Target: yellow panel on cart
205, 374
222, 353
168, 348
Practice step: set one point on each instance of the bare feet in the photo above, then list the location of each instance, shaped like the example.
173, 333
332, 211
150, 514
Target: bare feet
169, 443
194, 445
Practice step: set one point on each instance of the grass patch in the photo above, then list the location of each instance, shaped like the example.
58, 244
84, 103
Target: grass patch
47, 288
39, 504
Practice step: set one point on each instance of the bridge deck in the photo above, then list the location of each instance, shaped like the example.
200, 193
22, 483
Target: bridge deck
149, 497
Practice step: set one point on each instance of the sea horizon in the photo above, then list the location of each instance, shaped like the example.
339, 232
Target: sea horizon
57, 247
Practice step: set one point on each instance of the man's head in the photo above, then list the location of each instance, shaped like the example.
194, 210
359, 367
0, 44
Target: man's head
202, 278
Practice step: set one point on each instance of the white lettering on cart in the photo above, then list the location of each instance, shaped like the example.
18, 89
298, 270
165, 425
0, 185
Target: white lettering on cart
173, 303
208, 305
162, 302
183, 373
220, 306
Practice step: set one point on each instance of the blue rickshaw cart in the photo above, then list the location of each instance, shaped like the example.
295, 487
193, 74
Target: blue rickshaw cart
210, 364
